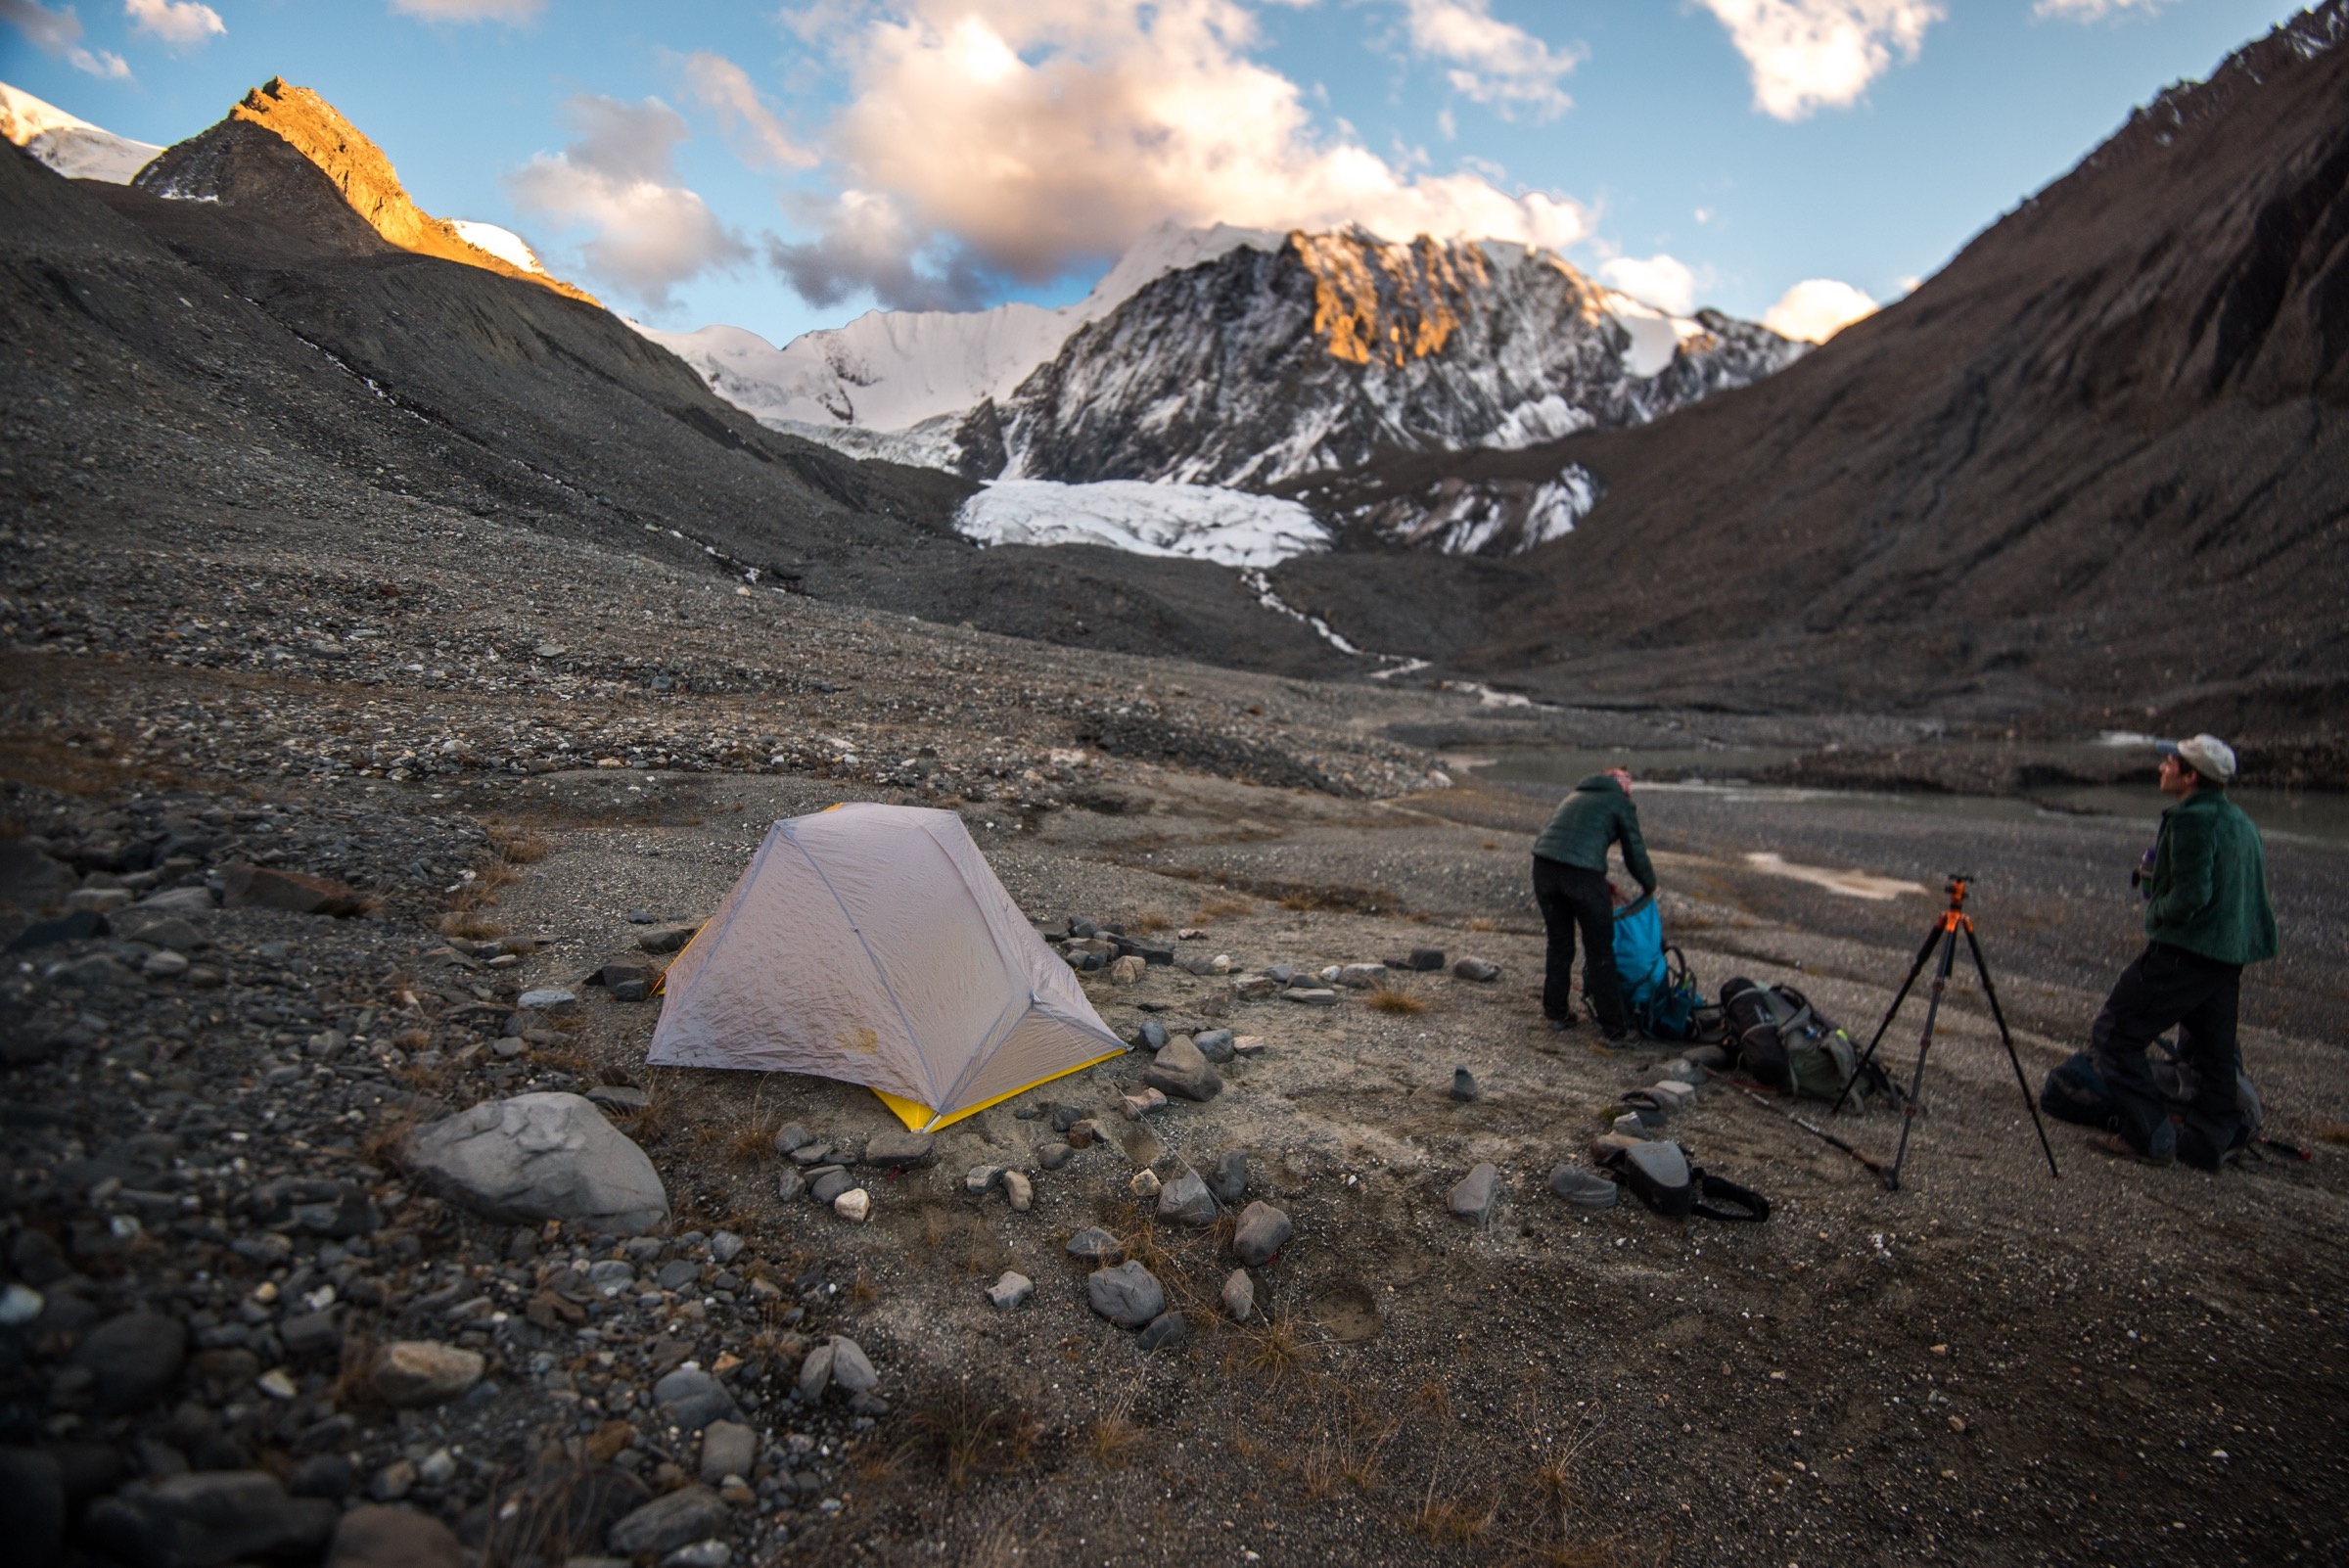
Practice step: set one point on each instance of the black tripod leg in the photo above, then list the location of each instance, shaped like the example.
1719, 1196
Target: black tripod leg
1924, 1043
1899, 996
1998, 1017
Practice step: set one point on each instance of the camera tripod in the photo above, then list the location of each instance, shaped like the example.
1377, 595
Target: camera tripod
1944, 935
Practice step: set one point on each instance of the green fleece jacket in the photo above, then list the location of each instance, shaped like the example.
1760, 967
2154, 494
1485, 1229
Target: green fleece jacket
1596, 814
2210, 882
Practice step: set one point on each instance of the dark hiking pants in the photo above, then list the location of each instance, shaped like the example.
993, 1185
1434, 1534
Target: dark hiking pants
2168, 988
1571, 898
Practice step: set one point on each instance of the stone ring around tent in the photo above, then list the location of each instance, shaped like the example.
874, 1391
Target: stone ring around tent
873, 944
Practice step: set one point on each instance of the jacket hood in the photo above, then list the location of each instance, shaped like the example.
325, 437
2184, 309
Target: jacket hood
1601, 781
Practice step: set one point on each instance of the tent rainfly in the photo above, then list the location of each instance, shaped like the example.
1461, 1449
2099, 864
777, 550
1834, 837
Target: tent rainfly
872, 943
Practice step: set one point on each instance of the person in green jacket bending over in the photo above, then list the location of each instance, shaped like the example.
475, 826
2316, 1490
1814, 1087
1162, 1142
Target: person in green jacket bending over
1570, 884
2207, 917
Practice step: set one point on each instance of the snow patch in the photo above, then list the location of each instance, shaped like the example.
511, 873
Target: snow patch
504, 244
1193, 522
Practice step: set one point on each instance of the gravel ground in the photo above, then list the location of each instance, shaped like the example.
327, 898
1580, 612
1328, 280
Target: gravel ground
2124, 1365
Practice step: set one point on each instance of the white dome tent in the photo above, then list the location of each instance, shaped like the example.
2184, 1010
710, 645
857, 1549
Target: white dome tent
873, 944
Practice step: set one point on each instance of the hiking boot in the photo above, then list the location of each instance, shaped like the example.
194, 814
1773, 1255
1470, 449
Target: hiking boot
2113, 1143
1560, 1026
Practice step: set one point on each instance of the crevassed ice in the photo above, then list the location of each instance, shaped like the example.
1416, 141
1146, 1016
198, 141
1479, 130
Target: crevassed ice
1195, 522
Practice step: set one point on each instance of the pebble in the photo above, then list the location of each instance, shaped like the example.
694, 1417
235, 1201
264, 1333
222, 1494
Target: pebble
1167, 1329
829, 1182
1146, 1183
1021, 1192
725, 1247
1010, 1290
1138, 1106
980, 1179
1239, 1295
1473, 1197
412, 1373
1127, 1295
1052, 1156
549, 1001
1215, 1044
662, 1525
1463, 1083
1476, 969
1247, 1044
855, 1205
900, 1149
1263, 1230
728, 1449
710, 1553
852, 1368
791, 1186
1126, 971
1182, 1073
132, 1359
1310, 996
1095, 1245
790, 1137
1083, 1135
1228, 1179
164, 964
1154, 1034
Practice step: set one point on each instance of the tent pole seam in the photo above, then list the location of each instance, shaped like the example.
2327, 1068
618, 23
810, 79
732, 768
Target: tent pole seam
870, 956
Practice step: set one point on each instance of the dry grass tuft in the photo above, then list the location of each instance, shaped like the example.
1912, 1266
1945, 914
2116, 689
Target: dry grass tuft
968, 1431
1464, 1521
1276, 1349
753, 1145
1300, 902
1214, 907
516, 848
862, 1291
1112, 1441
470, 924
1152, 924
1479, 923
1388, 997
414, 1040
2332, 1133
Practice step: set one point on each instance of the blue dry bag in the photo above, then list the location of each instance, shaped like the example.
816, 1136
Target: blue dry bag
1657, 987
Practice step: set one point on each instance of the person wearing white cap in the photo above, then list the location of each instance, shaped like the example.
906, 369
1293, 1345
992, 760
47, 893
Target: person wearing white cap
2206, 916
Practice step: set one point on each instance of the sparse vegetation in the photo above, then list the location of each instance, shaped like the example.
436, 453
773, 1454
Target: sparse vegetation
470, 924
1392, 996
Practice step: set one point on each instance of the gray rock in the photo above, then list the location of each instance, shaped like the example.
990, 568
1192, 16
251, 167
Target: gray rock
728, 1448
207, 1518
815, 1374
1052, 1156
1310, 996
132, 1359
1228, 1179
852, 1368
537, 1157
610, 1276
408, 1373
1185, 1201
1167, 1329
690, 1398
158, 928
662, 1525
1425, 959
900, 1149
311, 1333
1263, 1230
710, 1553
1362, 977
1463, 1083
1010, 1290
1475, 1194
1019, 1191
393, 1481
33, 1497
552, 1001
790, 1137
1476, 969
980, 1179
1127, 1295
665, 939
164, 964
372, 1536
331, 1476
1215, 1044
810, 1155
1154, 1034
791, 1186
1181, 1072
830, 1183
1065, 1117
681, 1274
1095, 1245
1585, 1189
725, 1247
177, 901
1239, 1295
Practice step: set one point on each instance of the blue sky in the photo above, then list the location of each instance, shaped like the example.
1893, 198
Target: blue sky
786, 167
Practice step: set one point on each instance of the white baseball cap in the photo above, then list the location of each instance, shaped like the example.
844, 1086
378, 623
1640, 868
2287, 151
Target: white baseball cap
2207, 754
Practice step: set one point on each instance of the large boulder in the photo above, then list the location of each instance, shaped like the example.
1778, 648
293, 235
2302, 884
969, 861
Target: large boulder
31, 880
32, 1499
539, 1157
209, 1517
1179, 1070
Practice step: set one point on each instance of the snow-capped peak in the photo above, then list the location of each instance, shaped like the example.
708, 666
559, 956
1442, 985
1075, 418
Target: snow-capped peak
67, 143
890, 370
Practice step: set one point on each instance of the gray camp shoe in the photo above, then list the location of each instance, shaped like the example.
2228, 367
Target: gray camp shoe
1585, 1189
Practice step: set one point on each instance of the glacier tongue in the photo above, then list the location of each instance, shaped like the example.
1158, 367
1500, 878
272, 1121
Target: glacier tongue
1196, 522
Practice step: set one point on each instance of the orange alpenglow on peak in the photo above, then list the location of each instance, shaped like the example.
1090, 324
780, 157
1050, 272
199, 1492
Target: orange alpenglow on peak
358, 168
1373, 298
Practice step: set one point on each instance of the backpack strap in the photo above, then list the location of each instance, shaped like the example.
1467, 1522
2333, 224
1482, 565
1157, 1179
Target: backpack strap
1746, 1205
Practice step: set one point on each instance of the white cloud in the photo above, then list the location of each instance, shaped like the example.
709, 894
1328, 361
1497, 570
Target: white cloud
181, 23
469, 10
724, 89
1022, 137
1816, 308
2092, 10
649, 233
1493, 63
1806, 55
1659, 280
59, 34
